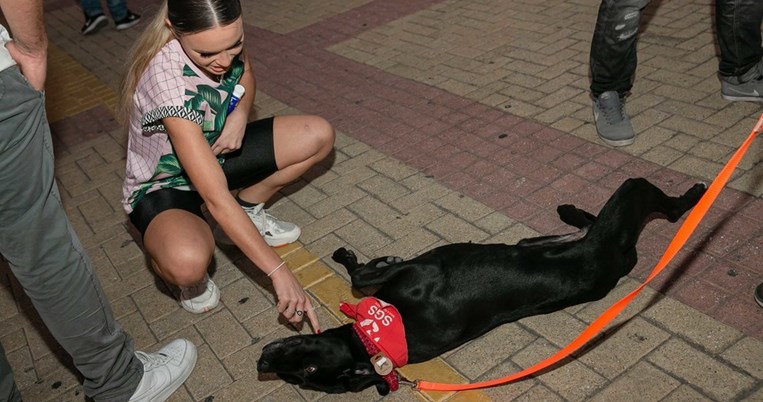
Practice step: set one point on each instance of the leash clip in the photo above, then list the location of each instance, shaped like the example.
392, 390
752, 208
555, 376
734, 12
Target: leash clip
413, 384
404, 381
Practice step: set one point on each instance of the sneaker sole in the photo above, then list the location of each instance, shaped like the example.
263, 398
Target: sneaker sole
733, 98
95, 27
128, 25
222, 239
618, 143
276, 243
206, 308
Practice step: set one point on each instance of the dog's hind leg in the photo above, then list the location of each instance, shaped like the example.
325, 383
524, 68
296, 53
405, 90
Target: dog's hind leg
674, 210
575, 216
623, 216
350, 260
570, 215
346, 258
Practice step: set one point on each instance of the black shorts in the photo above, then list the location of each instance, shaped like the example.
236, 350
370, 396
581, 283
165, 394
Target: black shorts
251, 163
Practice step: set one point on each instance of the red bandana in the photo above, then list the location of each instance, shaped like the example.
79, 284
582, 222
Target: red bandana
380, 327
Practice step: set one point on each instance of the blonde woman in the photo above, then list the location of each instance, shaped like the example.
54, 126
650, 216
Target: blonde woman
184, 150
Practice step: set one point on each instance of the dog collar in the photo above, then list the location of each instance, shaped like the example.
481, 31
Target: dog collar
380, 328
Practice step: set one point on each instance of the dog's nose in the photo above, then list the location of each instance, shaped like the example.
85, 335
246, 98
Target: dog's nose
263, 365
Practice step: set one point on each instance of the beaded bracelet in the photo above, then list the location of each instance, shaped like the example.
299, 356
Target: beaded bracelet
277, 268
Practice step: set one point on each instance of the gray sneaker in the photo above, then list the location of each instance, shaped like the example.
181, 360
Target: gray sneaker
612, 124
746, 87
759, 295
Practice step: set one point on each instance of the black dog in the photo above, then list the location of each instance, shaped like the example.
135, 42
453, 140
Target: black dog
455, 293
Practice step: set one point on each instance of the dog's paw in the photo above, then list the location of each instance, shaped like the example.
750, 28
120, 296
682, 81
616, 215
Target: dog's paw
344, 256
387, 261
574, 216
695, 192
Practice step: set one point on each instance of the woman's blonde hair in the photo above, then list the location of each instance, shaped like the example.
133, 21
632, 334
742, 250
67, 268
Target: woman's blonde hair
187, 17
148, 44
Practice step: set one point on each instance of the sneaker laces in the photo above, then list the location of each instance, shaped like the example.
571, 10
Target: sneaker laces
265, 222
612, 114
151, 360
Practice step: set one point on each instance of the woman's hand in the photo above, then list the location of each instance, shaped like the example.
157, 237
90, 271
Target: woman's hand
293, 302
231, 137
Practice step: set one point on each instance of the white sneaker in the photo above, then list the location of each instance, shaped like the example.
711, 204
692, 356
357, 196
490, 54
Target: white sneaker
276, 232
164, 371
201, 297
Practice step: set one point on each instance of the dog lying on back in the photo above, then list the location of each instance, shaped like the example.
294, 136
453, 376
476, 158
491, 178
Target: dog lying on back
455, 293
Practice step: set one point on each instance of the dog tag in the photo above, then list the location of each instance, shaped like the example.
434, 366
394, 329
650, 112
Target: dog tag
382, 365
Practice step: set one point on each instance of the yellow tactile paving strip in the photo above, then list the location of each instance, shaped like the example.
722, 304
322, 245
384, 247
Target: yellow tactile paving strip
71, 89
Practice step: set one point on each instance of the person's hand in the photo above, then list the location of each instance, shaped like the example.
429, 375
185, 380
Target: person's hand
293, 303
232, 135
32, 65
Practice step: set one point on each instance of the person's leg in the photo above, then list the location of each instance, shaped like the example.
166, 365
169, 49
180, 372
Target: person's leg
8, 390
180, 246
45, 254
299, 142
275, 152
91, 8
740, 66
613, 47
738, 29
117, 9
613, 64
179, 242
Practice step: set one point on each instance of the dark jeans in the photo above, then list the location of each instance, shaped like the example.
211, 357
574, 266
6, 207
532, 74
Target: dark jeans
613, 47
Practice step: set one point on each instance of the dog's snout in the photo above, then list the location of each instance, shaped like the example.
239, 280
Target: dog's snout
263, 365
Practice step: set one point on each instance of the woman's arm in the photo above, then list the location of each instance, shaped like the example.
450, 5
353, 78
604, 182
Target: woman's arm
232, 134
205, 173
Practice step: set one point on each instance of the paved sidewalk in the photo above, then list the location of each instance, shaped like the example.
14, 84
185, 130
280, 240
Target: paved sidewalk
457, 120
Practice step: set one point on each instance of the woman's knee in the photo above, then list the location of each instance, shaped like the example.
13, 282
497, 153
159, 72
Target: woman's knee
321, 133
183, 264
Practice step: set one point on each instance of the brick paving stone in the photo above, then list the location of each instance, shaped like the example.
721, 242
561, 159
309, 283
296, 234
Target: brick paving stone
570, 379
481, 355
208, 375
623, 348
697, 327
643, 383
716, 379
748, 355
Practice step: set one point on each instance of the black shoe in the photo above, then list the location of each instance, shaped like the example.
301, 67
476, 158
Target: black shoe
93, 24
128, 21
759, 294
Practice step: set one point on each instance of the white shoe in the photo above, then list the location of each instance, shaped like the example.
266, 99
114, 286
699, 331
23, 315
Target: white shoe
201, 297
276, 232
164, 371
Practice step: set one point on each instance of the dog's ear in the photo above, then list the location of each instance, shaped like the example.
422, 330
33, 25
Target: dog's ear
362, 377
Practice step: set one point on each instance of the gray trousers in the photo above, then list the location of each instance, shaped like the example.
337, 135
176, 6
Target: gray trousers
46, 256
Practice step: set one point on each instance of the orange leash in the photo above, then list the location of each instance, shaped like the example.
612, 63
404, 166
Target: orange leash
686, 229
